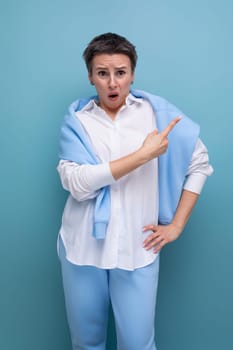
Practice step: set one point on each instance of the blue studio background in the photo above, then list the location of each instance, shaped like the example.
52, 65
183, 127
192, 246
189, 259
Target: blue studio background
185, 55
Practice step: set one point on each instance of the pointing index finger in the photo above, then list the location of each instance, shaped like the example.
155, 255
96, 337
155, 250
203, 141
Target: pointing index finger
170, 126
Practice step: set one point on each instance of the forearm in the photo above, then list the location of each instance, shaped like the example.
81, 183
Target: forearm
198, 170
125, 165
186, 204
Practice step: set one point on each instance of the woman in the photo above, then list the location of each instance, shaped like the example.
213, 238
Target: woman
131, 193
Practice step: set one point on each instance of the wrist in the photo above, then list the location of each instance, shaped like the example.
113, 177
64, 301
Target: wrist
178, 227
142, 155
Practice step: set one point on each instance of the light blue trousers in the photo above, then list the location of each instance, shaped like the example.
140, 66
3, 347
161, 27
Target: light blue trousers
89, 290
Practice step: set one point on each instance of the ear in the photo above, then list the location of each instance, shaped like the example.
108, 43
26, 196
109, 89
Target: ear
90, 78
132, 81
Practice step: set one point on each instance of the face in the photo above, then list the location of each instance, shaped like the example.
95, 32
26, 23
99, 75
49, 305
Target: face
112, 76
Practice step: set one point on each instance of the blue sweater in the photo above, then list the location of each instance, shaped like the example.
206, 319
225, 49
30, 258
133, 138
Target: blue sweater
75, 146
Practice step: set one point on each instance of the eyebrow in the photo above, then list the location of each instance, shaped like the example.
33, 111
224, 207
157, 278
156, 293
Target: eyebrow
122, 67
105, 68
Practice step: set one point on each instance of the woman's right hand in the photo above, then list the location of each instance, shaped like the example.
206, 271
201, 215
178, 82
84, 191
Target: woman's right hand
156, 143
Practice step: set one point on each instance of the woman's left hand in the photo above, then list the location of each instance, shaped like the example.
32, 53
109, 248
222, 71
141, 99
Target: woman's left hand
160, 236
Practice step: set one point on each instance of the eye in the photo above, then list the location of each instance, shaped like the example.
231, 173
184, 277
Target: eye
102, 73
121, 72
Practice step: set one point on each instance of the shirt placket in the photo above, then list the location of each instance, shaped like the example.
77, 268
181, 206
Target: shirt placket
116, 193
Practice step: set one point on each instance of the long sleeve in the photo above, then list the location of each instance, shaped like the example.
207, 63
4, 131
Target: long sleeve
198, 170
84, 181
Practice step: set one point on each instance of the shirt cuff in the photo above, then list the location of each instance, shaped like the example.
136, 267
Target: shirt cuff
195, 182
98, 176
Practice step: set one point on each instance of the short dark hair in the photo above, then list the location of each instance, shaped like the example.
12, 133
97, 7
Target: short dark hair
109, 43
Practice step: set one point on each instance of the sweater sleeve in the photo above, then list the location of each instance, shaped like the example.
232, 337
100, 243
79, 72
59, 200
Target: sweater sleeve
84, 181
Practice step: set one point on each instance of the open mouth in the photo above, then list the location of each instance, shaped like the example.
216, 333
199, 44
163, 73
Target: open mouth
113, 96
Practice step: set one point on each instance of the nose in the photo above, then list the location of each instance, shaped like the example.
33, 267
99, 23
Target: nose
112, 81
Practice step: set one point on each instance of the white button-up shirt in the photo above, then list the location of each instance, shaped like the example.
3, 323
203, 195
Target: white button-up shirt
133, 197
